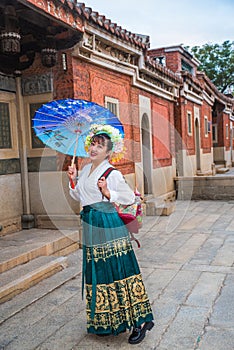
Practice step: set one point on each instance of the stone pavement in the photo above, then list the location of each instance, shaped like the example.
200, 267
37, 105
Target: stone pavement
187, 261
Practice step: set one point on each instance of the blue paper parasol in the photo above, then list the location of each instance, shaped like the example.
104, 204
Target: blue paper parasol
64, 124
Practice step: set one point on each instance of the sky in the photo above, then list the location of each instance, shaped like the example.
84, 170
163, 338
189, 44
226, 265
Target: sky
172, 22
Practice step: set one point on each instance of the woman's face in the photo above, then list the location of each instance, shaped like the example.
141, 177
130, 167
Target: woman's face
98, 151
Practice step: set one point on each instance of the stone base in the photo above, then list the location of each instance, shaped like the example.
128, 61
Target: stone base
204, 173
64, 222
10, 225
205, 188
165, 209
161, 205
28, 221
222, 170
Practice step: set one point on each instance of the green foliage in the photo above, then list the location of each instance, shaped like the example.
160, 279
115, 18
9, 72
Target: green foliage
217, 61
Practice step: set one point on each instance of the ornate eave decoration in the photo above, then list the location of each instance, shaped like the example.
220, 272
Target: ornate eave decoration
10, 37
26, 30
100, 49
94, 43
67, 12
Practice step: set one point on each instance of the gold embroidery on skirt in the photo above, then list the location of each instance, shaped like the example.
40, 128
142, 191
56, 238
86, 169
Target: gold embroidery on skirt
108, 249
120, 302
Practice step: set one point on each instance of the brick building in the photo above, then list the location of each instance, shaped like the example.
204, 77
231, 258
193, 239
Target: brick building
203, 116
63, 49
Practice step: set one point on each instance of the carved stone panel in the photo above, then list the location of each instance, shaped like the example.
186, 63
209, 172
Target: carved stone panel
9, 166
38, 84
92, 42
7, 83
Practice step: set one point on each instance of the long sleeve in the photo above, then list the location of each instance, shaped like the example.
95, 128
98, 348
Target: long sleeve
87, 192
120, 191
74, 193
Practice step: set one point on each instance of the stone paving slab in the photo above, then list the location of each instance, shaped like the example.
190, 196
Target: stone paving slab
185, 329
223, 314
217, 338
187, 265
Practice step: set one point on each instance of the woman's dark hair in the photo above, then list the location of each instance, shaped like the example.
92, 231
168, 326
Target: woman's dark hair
104, 140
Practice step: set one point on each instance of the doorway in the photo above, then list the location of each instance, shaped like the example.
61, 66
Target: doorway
146, 154
197, 145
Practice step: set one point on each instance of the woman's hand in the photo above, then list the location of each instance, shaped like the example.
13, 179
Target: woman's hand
72, 172
102, 184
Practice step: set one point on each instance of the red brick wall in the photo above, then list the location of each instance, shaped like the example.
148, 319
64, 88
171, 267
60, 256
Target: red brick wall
94, 83
162, 130
173, 59
206, 142
186, 140
189, 139
86, 81
36, 68
221, 121
63, 80
226, 121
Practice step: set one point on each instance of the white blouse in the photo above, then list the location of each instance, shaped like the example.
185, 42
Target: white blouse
87, 192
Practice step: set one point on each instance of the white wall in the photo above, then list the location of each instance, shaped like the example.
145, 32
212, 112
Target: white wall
10, 203
49, 194
163, 180
206, 162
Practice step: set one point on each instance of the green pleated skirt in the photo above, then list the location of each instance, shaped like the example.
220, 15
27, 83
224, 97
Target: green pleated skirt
116, 299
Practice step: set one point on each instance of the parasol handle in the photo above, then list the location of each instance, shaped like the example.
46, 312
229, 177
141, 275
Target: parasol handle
73, 160
75, 148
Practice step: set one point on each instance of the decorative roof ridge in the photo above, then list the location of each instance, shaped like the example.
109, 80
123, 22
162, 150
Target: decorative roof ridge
149, 62
203, 76
194, 79
141, 41
176, 48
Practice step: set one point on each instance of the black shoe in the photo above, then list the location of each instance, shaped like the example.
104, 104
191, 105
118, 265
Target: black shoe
138, 334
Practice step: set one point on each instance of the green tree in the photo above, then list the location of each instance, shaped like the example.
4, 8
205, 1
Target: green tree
217, 61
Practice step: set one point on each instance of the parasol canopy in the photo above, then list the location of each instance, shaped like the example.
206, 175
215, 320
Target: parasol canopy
63, 125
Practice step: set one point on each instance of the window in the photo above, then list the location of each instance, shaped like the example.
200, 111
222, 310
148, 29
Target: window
161, 60
206, 126
227, 131
5, 126
35, 147
214, 133
8, 126
112, 107
186, 67
112, 104
189, 123
209, 126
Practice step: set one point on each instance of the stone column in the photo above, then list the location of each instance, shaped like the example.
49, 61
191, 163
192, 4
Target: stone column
27, 217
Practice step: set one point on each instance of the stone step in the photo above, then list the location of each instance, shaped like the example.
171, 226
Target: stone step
161, 205
22, 277
29, 256
44, 288
165, 209
24, 246
222, 170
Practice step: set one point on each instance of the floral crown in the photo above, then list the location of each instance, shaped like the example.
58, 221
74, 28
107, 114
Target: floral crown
118, 148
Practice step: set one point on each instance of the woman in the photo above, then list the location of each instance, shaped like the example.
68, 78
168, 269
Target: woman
116, 299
